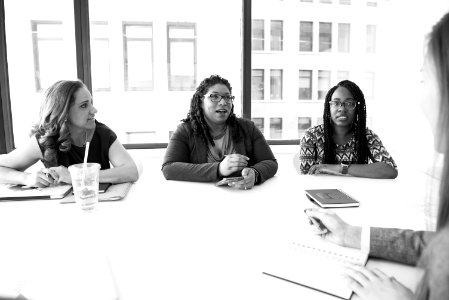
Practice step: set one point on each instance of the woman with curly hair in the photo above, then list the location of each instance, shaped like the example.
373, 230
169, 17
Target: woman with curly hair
67, 122
212, 143
343, 145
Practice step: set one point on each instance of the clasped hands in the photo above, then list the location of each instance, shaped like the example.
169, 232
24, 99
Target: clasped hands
325, 169
366, 283
236, 162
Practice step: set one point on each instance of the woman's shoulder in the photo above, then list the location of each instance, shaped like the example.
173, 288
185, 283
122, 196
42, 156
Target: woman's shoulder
245, 122
316, 131
102, 128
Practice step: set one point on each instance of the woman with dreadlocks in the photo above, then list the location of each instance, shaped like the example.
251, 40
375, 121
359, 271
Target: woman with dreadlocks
343, 145
212, 143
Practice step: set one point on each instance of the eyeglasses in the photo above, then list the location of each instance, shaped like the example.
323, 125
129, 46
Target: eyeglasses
217, 98
346, 104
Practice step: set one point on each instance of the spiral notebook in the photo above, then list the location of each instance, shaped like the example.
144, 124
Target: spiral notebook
316, 264
331, 198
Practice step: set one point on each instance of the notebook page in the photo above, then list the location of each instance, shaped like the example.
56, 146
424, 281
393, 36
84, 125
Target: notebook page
18, 191
317, 264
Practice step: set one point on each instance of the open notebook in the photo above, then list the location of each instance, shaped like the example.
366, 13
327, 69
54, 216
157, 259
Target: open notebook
315, 263
19, 192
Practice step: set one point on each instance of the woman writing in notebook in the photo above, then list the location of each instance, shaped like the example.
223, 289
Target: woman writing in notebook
212, 143
67, 122
428, 250
343, 145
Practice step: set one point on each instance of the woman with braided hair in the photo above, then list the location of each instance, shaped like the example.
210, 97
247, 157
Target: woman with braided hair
212, 143
67, 122
343, 145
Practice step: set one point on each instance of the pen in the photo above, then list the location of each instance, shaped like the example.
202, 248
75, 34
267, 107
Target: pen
317, 223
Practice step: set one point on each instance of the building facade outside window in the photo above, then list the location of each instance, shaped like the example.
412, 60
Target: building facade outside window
259, 122
305, 36
304, 123
344, 37
275, 128
371, 38
257, 84
277, 36
258, 35
305, 85
325, 37
181, 56
324, 83
276, 84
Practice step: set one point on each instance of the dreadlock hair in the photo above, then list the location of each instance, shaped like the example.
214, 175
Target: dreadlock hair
358, 125
52, 129
196, 115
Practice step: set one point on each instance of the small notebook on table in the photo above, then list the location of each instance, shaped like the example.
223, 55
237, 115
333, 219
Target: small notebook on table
20, 192
331, 198
315, 264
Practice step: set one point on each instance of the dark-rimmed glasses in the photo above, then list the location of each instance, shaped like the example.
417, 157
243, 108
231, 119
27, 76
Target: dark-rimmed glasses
346, 104
217, 98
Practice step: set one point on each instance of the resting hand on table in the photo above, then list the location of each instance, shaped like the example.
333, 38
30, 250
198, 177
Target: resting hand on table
232, 163
38, 179
325, 169
338, 231
247, 183
375, 285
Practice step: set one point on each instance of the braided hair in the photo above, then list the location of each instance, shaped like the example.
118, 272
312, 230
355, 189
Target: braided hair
358, 125
196, 115
52, 129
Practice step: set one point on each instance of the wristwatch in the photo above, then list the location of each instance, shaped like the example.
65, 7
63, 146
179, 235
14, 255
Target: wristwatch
344, 167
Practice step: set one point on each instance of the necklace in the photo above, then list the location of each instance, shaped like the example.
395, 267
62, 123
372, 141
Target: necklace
221, 134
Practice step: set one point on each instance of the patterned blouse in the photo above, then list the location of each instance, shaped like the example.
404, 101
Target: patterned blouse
312, 149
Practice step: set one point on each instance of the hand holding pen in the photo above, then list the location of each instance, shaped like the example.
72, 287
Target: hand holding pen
39, 179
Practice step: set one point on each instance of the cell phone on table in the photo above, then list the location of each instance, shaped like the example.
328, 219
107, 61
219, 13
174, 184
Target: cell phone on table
103, 187
227, 180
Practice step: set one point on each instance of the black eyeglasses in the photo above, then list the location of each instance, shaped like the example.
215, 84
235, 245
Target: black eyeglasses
218, 97
347, 104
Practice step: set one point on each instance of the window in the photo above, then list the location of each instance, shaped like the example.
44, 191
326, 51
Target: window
306, 0
47, 41
304, 123
319, 120
257, 80
275, 84
368, 90
371, 3
259, 122
326, 1
305, 85
305, 36
276, 35
100, 56
342, 75
343, 37
258, 35
138, 56
275, 128
325, 37
181, 54
345, 2
324, 82
371, 38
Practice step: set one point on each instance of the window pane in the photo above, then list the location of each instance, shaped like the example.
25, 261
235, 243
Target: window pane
305, 36
138, 56
41, 50
343, 37
259, 122
305, 85
257, 90
304, 123
325, 37
275, 128
100, 56
346, 2
276, 35
157, 58
276, 84
324, 82
257, 35
326, 1
371, 38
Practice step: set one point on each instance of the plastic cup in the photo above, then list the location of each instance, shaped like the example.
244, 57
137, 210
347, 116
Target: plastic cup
85, 182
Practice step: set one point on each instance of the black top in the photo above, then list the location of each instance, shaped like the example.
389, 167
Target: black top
101, 141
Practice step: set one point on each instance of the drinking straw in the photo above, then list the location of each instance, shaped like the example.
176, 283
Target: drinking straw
83, 176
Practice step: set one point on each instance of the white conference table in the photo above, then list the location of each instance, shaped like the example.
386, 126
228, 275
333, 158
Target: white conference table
172, 240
